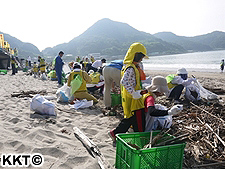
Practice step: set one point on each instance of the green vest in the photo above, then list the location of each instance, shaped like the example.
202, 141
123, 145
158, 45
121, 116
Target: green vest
169, 79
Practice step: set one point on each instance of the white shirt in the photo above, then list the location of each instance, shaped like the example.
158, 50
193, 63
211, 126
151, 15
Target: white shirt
178, 80
29, 58
97, 63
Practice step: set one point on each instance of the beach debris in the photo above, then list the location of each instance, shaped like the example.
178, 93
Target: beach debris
134, 146
78, 104
29, 93
202, 127
40, 105
92, 149
65, 131
218, 91
205, 142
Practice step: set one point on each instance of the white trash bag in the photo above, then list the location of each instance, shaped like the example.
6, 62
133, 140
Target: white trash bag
152, 123
192, 92
63, 93
40, 105
43, 76
206, 94
81, 104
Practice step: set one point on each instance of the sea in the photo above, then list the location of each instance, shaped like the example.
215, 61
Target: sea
198, 61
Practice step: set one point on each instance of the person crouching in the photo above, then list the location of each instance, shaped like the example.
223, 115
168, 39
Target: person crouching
156, 89
81, 92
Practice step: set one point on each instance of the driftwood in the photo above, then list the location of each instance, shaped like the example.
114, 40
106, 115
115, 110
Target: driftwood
29, 93
207, 125
92, 149
208, 113
210, 164
205, 143
173, 140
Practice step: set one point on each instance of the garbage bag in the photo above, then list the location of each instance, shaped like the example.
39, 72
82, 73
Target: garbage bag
3, 72
43, 76
40, 105
63, 93
152, 123
206, 94
75, 84
82, 104
192, 93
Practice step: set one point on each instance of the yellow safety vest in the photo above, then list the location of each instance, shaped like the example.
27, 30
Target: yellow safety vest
35, 68
12, 61
83, 87
85, 64
95, 77
42, 65
92, 60
146, 95
129, 104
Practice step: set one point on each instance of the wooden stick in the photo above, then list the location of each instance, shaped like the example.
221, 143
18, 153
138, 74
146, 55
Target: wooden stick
210, 164
171, 140
212, 131
209, 113
93, 148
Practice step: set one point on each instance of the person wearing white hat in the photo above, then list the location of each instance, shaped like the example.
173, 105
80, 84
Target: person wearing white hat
81, 92
157, 88
177, 82
97, 81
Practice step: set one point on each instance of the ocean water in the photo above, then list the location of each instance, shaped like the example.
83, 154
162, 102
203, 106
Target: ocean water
198, 61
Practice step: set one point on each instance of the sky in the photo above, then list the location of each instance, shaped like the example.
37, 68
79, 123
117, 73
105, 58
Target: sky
47, 23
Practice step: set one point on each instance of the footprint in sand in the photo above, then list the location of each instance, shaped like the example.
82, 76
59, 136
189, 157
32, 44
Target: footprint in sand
41, 133
90, 131
74, 161
51, 151
14, 120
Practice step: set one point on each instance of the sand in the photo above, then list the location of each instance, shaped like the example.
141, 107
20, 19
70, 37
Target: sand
24, 132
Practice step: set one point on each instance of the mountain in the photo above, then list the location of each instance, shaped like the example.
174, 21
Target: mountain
207, 42
24, 49
113, 38
216, 40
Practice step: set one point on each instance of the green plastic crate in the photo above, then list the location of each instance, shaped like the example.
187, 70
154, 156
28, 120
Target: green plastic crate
116, 99
163, 157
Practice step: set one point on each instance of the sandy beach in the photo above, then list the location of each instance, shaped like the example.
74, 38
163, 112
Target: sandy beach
24, 132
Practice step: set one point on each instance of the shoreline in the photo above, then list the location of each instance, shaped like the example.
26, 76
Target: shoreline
197, 74
147, 68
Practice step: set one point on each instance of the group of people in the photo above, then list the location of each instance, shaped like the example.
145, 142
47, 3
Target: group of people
138, 102
85, 80
138, 99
